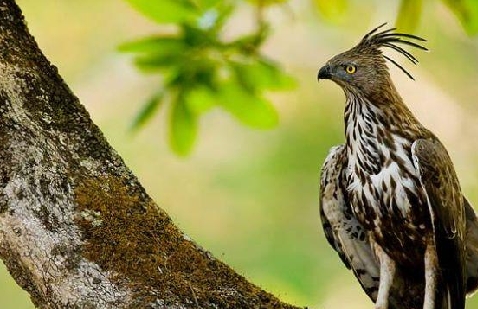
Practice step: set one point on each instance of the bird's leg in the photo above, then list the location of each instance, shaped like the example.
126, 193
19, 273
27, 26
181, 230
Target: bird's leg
431, 265
387, 273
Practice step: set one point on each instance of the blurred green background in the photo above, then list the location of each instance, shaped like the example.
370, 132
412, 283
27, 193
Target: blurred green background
251, 196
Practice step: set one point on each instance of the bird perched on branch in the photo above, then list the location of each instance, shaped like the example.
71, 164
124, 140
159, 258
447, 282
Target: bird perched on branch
390, 200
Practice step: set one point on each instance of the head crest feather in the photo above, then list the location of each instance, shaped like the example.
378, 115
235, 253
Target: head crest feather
390, 39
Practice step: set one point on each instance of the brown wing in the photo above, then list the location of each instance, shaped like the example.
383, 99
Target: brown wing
471, 248
447, 210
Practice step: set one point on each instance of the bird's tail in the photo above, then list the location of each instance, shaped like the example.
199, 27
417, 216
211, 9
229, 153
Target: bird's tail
446, 298
451, 285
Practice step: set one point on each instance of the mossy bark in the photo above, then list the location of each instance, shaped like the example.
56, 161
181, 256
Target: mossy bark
77, 230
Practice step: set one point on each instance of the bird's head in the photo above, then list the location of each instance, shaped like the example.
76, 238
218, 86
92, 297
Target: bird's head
363, 68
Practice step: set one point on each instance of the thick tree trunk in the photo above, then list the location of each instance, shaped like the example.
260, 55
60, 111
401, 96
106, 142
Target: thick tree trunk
77, 230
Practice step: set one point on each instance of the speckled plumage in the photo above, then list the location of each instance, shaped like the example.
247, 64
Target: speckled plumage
391, 204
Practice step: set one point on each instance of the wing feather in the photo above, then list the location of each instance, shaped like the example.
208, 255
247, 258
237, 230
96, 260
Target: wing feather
471, 248
447, 210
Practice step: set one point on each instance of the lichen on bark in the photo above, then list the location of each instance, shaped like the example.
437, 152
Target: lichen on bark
157, 257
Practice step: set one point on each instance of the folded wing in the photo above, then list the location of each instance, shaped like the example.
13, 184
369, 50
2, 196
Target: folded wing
447, 210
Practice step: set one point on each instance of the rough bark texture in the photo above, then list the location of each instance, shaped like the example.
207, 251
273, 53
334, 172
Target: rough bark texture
77, 230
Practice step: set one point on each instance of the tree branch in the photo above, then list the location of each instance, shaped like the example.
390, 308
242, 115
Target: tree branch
77, 230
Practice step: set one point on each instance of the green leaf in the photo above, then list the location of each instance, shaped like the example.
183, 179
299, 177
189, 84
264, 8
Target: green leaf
159, 60
191, 73
467, 13
157, 52
409, 15
153, 44
197, 37
250, 43
206, 4
147, 111
200, 100
183, 128
261, 74
165, 11
332, 10
250, 110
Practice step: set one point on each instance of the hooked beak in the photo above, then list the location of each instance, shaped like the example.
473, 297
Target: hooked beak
325, 72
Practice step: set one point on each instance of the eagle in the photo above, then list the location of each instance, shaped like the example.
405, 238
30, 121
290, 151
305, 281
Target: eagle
390, 201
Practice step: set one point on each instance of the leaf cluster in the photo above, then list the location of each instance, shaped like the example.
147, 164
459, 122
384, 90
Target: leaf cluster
201, 70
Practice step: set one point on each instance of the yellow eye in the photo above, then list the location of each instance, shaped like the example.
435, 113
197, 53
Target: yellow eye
350, 69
